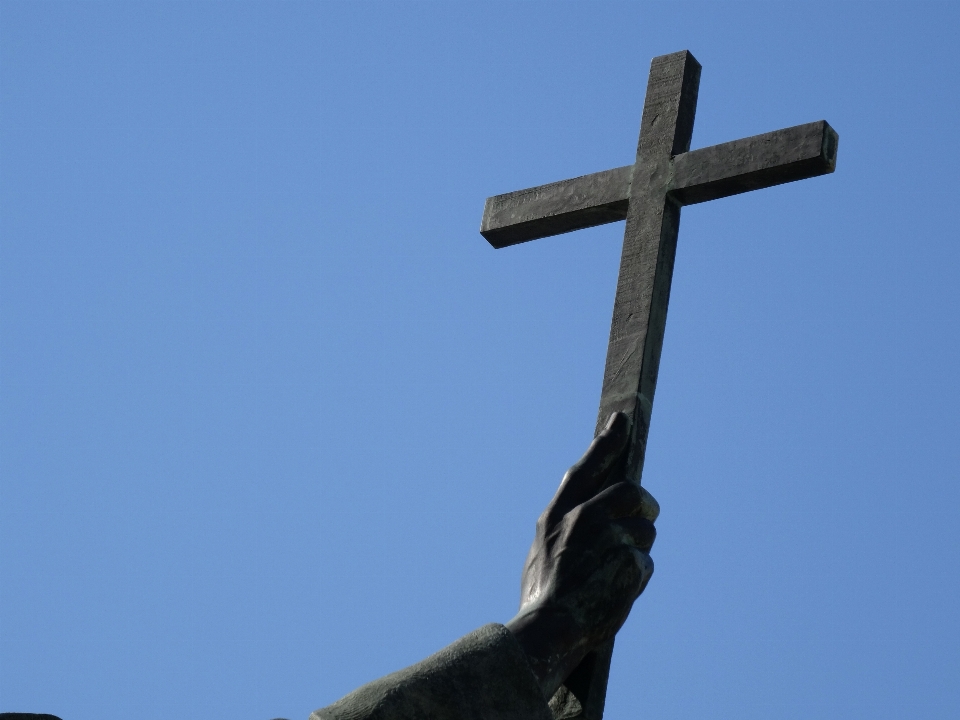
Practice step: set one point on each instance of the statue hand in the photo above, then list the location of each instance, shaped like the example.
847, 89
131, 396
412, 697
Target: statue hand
589, 561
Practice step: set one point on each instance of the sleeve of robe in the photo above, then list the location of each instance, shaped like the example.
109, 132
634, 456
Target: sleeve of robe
482, 676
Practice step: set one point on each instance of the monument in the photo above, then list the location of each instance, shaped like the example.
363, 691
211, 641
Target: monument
589, 560
665, 176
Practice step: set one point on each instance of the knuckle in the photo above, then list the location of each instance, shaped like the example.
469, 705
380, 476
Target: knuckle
543, 522
590, 512
572, 474
624, 497
649, 507
642, 567
629, 490
652, 537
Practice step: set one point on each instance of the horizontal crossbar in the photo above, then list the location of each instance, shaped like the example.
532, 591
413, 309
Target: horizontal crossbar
710, 173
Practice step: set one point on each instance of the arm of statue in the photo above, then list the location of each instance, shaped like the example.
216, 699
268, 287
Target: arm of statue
588, 563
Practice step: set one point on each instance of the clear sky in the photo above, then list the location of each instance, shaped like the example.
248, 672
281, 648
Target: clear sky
276, 420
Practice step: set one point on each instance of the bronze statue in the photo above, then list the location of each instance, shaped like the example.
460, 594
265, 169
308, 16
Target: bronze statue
588, 563
589, 560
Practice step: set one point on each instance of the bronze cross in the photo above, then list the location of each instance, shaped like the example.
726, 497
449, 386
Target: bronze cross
648, 195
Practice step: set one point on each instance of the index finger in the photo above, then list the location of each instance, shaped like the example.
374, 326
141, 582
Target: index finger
590, 473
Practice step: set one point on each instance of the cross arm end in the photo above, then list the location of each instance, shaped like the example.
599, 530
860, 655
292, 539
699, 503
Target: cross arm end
782, 156
557, 208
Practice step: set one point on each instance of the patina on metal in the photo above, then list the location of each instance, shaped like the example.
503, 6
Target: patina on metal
665, 176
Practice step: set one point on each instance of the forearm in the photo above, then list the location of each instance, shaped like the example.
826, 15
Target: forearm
480, 676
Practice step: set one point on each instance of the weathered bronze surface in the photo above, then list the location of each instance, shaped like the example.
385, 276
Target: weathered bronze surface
649, 194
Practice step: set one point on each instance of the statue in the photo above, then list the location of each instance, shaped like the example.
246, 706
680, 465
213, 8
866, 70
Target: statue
588, 563
589, 560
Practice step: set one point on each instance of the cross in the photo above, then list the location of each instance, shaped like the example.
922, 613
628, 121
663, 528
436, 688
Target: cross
649, 194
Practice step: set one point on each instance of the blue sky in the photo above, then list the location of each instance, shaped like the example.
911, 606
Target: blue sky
276, 420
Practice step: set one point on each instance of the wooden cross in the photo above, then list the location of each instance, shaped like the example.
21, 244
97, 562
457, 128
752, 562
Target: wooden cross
648, 195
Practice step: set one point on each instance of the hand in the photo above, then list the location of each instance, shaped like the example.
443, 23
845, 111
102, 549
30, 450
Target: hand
589, 561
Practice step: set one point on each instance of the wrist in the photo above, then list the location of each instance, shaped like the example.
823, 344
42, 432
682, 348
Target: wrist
552, 642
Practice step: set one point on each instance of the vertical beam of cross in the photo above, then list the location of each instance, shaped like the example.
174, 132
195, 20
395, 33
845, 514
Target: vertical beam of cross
649, 249
643, 289
648, 195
